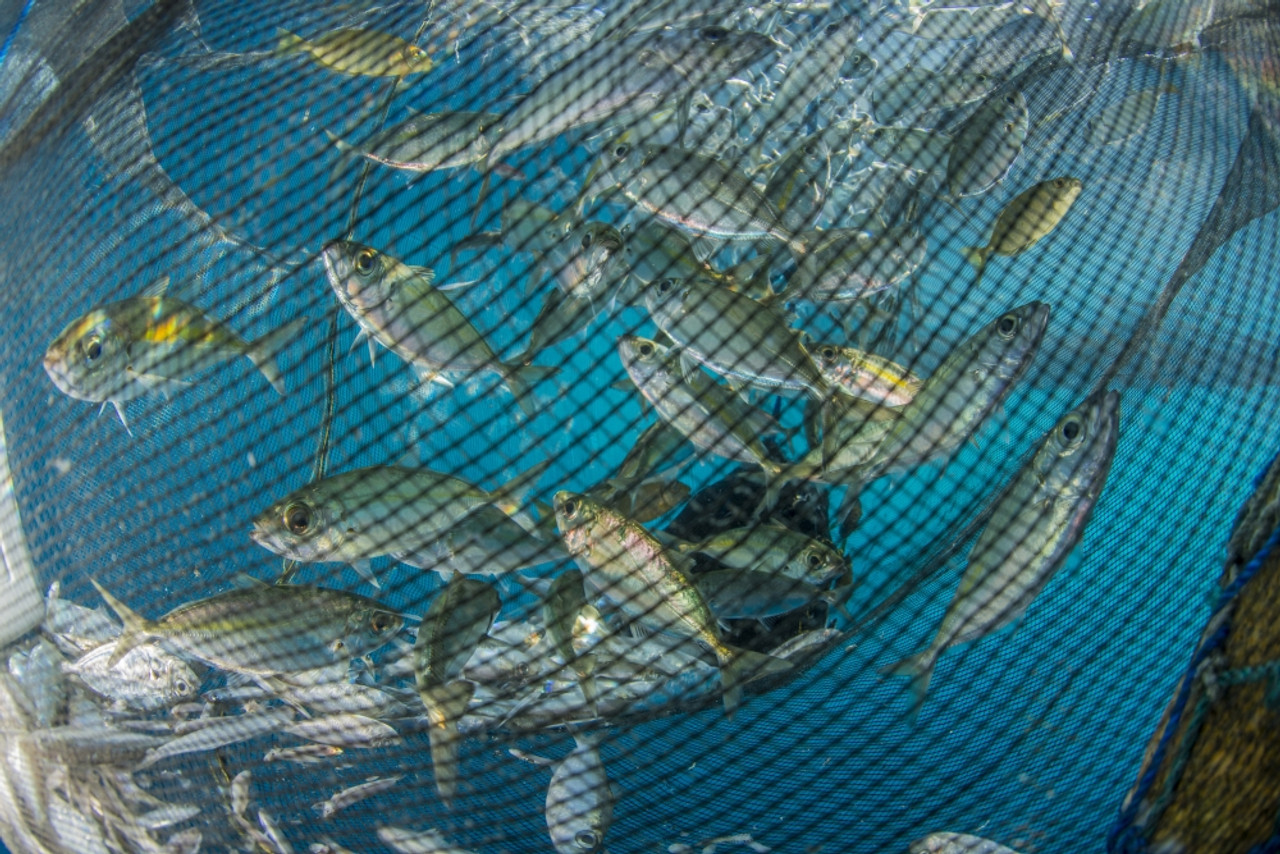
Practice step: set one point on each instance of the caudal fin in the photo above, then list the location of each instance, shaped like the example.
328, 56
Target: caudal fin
445, 705
739, 667
137, 629
522, 378
919, 669
263, 352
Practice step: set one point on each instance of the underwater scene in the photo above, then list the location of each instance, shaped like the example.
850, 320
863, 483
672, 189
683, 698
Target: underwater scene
523, 425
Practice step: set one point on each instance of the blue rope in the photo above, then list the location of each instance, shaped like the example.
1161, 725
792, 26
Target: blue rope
1124, 837
13, 33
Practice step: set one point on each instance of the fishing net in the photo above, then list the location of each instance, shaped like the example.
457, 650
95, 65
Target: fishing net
915, 236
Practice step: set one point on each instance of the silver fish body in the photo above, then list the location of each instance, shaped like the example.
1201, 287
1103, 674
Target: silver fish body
986, 147
146, 679
579, 806
425, 143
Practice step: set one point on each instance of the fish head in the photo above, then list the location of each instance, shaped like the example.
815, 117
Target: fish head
642, 358
415, 59
1010, 341
858, 68
358, 275
597, 243
612, 167
664, 298
1065, 190
177, 681
369, 628
576, 516
297, 527
818, 562
89, 360
836, 37
579, 831
1081, 446
1013, 112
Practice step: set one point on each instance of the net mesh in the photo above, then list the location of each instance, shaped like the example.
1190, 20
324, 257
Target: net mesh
559, 225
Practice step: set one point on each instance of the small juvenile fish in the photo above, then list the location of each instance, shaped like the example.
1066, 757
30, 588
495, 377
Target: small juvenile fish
220, 733
561, 609
146, 678
579, 806
354, 794
1122, 120
425, 143
363, 53
417, 841
1039, 520
913, 91
986, 147
345, 730
264, 629
303, 754
151, 342
957, 843
734, 594
1027, 219
866, 375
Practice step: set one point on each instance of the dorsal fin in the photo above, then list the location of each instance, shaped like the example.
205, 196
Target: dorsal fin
156, 289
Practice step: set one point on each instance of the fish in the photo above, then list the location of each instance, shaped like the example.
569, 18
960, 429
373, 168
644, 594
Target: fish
346, 730
523, 227
489, 542
152, 343
458, 618
424, 142
733, 594
812, 68
560, 317
1036, 523
1172, 25
354, 794
397, 306
561, 609
772, 549
407, 841
579, 805
920, 150
1026, 220
586, 262
644, 501
965, 20
911, 91
865, 375
362, 53
146, 678
621, 561
745, 340
853, 264
264, 630
38, 671
987, 145
355, 516
1122, 120
962, 392
957, 843
696, 193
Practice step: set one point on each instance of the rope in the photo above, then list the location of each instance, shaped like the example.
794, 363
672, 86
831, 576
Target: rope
1125, 837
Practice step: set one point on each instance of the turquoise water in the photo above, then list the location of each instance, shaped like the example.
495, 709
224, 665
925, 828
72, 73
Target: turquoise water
1030, 737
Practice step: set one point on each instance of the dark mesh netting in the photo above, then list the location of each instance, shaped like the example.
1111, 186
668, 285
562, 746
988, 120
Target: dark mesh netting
796, 426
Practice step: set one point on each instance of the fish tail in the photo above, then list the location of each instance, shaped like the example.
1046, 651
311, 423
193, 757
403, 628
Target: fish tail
486, 177
919, 669
740, 666
263, 351
137, 629
287, 42
446, 704
522, 378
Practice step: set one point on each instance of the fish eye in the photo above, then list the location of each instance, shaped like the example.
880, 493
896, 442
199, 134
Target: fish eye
1007, 325
646, 349
1071, 429
666, 286
621, 151
297, 518
588, 840
181, 686
586, 240
828, 353
92, 348
1059, 183
338, 646
570, 508
365, 261
1011, 99
714, 34
831, 29
381, 622
814, 560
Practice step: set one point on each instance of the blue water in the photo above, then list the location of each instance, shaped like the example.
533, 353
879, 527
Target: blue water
1030, 737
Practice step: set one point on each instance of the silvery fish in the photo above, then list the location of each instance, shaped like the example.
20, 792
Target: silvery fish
407, 841
264, 629
355, 516
523, 227
985, 148
621, 561
458, 617
743, 339
699, 194
354, 794
346, 730
560, 317
579, 807
38, 671
1036, 523
957, 843
397, 306
75, 628
586, 262
489, 542
424, 143
1173, 25
1026, 219
811, 69
1122, 120
852, 264
364, 53
966, 388
919, 150
645, 500
655, 250
774, 550
945, 20
865, 375
561, 609
734, 594
151, 342
610, 79
911, 91
146, 678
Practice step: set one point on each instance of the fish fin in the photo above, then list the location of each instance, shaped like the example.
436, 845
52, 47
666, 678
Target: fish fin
156, 288
373, 349
919, 669
263, 352
445, 705
287, 42
137, 629
155, 382
245, 581
740, 667
427, 376
458, 286
506, 170
587, 682
975, 255
364, 568
522, 378
423, 273
479, 241
837, 598
532, 759
119, 407
346, 152
485, 180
